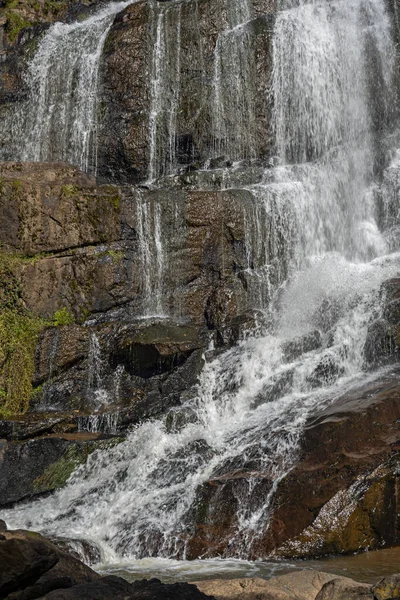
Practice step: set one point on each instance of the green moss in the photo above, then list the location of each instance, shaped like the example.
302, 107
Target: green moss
14, 24
69, 190
116, 255
57, 474
62, 317
115, 201
19, 331
54, 8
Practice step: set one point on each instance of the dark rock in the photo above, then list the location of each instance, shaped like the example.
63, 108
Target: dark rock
43, 464
65, 570
381, 345
306, 343
115, 588
124, 146
326, 372
22, 563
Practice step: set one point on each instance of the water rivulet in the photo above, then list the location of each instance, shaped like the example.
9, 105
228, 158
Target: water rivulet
318, 206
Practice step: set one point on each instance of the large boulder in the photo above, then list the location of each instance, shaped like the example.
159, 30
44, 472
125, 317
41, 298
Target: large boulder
302, 585
343, 588
31, 566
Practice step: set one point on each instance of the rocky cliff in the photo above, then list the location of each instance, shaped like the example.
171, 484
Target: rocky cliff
116, 286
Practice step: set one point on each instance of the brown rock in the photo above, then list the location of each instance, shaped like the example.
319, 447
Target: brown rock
124, 150
348, 458
343, 588
54, 209
23, 562
62, 571
299, 585
387, 588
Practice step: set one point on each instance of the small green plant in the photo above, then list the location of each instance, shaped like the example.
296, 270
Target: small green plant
19, 332
14, 24
62, 317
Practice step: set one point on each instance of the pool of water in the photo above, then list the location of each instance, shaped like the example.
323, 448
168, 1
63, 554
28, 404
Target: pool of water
367, 567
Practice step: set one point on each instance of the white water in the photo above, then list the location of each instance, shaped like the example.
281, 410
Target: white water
96, 393
151, 253
58, 122
165, 89
247, 414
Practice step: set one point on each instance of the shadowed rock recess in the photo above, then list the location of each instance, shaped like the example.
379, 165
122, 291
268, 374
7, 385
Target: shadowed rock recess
199, 288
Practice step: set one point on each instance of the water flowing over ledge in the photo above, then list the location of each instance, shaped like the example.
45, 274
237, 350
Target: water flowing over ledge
314, 222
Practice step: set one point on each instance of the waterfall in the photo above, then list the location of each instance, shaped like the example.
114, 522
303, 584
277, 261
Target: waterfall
249, 409
96, 393
58, 121
165, 91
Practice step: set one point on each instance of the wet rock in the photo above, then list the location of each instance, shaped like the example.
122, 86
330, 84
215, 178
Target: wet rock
34, 425
295, 348
189, 66
83, 550
387, 588
348, 457
178, 418
43, 464
326, 372
349, 460
84, 262
278, 387
381, 344
342, 588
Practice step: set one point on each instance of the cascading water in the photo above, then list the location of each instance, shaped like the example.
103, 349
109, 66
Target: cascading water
250, 406
58, 121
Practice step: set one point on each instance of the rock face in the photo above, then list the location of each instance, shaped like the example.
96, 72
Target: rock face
348, 459
71, 249
144, 40
44, 464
